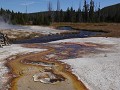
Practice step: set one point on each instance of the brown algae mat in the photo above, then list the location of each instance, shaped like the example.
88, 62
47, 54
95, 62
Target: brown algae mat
23, 73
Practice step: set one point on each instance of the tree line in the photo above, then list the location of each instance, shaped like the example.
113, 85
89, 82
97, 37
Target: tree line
86, 14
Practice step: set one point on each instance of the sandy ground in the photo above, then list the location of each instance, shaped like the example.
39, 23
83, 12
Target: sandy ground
98, 71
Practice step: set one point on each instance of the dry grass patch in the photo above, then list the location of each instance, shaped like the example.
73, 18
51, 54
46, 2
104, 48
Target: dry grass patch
112, 28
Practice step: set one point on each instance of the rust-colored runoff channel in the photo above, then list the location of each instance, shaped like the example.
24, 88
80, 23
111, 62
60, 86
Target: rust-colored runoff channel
21, 71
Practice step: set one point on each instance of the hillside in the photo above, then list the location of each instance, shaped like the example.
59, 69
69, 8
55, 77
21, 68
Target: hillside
111, 13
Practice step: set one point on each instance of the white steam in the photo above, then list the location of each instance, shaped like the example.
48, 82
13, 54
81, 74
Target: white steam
39, 29
5, 24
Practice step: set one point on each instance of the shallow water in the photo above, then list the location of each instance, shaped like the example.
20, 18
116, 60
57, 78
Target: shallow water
65, 28
71, 50
49, 38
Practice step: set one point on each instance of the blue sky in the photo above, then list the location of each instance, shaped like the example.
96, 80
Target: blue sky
41, 5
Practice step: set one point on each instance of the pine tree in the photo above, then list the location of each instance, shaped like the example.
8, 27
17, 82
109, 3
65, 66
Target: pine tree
49, 6
61, 16
49, 11
85, 12
79, 15
99, 13
57, 15
58, 5
72, 15
67, 15
91, 12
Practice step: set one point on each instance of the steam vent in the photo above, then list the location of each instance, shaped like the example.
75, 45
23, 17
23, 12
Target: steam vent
3, 40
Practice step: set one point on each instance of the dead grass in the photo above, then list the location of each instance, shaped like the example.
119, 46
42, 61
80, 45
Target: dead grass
112, 28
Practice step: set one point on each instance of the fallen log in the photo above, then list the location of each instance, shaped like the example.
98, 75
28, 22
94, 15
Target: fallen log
4, 40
